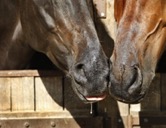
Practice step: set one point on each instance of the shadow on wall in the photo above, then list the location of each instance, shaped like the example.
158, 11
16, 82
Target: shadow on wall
104, 35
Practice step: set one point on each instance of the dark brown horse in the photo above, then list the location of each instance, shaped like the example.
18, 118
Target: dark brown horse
139, 44
61, 29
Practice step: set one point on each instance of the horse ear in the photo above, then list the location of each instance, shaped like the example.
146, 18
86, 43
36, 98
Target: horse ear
119, 6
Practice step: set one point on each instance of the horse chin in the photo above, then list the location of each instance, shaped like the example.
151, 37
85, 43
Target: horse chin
134, 93
86, 99
126, 98
132, 101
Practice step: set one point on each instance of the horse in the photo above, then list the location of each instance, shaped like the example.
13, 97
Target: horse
64, 31
140, 42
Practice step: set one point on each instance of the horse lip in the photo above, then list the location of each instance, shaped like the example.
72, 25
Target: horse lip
87, 99
95, 98
135, 101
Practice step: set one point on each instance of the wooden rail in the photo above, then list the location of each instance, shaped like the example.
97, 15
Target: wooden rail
26, 73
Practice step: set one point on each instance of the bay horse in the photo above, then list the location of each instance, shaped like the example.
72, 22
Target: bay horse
61, 29
139, 44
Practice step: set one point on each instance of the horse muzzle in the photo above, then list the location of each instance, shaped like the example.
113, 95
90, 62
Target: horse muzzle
126, 84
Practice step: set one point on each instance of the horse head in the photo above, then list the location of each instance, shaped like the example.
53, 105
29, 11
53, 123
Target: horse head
65, 32
140, 41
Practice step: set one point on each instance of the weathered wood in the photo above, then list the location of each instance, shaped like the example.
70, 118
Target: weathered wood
54, 122
135, 109
48, 94
48, 97
40, 114
5, 102
151, 118
101, 7
22, 93
26, 73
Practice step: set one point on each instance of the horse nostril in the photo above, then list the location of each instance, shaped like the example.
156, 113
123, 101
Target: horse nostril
135, 66
79, 66
136, 86
79, 74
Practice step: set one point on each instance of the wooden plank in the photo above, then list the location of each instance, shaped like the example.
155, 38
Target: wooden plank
54, 122
38, 114
22, 90
163, 92
49, 94
123, 109
135, 109
149, 119
26, 73
152, 101
100, 7
124, 112
71, 101
5, 95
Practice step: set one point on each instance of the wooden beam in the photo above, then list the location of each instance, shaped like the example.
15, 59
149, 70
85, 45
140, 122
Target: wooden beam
30, 73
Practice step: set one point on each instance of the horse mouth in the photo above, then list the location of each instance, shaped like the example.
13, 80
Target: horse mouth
86, 99
132, 101
95, 98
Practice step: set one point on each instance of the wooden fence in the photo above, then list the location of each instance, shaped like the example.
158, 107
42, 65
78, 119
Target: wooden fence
41, 99
45, 99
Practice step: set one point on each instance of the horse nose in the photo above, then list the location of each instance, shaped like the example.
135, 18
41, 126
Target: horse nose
130, 77
91, 75
126, 82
